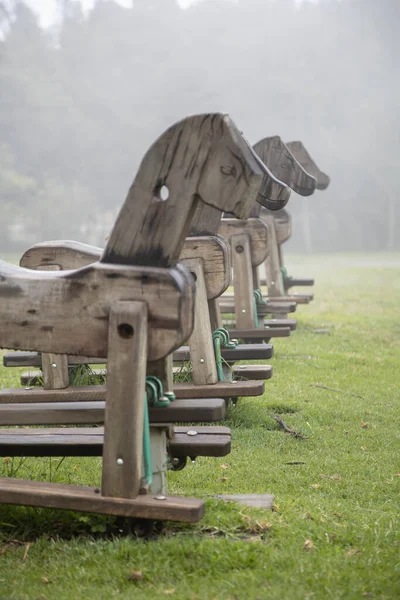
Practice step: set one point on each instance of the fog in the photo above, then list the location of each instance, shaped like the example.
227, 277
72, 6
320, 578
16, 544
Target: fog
83, 98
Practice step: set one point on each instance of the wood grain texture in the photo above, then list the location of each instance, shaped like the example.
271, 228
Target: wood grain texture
262, 372
213, 250
300, 153
208, 441
242, 282
67, 311
200, 159
257, 232
24, 358
89, 499
223, 389
214, 254
185, 410
241, 352
215, 314
125, 398
272, 267
55, 371
281, 162
64, 254
201, 346
283, 226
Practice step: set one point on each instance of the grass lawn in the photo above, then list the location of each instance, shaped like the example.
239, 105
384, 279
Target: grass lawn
335, 530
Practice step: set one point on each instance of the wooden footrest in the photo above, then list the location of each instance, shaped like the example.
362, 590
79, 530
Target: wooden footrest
262, 309
33, 377
259, 334
185, 441
241, 352
34, 359
293, 281
200, 441
89, 499
291, 323
252, 372
276, 308
298, 298
222, 389
189, 410
302, 298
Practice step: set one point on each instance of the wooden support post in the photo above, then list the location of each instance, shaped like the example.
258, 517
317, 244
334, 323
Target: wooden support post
126, 380
256, 278
215, 314
55, 371
242, 281
162, 369
200, 342
273, 275
54, 366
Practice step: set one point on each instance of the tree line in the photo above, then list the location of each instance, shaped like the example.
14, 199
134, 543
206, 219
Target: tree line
81, 102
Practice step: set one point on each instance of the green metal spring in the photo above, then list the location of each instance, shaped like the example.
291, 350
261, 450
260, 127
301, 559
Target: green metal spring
257, 300
156, 397
147, 462
221, 339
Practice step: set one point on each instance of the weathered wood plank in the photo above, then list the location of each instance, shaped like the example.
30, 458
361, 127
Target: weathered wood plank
241, 352
49, 307
263, 372
55, 371
212, 250
242, 282
224, 389
256, 231
228, 307
89, 499
125, 398
202, 357
185, 441
187, 410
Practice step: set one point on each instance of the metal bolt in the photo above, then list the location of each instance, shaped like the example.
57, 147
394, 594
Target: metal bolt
160, 497
120, 461
202, 361
54, 365
191, 432
239, 249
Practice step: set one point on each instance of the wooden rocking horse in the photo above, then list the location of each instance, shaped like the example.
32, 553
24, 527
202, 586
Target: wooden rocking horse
133, 308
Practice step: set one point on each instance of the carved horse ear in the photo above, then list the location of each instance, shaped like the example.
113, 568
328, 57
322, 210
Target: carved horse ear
281, 162
299, 151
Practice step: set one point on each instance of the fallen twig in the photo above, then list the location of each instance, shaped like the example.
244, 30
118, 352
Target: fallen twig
325, 387
287, 429
26, 551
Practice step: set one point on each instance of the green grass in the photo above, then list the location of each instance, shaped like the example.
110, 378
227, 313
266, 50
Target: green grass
343, 497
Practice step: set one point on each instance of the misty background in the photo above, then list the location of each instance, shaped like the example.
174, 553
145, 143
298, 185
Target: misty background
81, 101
